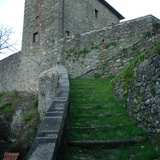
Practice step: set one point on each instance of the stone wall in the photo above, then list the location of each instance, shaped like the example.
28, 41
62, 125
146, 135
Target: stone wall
139, 86
79, 16
105, 49
49, 136
47, 21
18, 72
48, 85
41, 18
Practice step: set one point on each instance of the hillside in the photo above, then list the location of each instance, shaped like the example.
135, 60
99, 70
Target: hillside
19, 121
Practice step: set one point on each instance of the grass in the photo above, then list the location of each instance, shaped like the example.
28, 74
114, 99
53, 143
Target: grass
6, 107
115, 132
93, 104
142, 151
8, 100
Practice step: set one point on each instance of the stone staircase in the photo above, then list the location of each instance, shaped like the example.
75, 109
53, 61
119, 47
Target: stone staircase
99, 127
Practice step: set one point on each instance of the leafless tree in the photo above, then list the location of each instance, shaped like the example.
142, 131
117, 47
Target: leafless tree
5, 39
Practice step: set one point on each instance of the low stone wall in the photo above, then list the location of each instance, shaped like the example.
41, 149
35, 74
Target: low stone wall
139, 86
48, 139
86, 52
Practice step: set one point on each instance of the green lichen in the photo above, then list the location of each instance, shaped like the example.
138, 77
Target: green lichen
72, 52
111, 43
94, 46
126, 75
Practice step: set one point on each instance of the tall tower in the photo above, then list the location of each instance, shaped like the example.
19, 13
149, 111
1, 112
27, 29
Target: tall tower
46, 21
42, 27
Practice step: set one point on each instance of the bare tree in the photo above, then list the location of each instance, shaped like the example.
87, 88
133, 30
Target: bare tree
5, 39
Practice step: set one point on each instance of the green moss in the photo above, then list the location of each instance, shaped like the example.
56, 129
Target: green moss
6, 107
111, 43
28, 115
153, 91
147, 34
94, 46
77, 54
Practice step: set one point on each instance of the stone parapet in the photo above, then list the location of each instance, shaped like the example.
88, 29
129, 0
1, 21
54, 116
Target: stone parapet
48, 139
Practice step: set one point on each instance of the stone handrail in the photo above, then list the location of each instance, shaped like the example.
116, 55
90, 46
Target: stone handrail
48, 138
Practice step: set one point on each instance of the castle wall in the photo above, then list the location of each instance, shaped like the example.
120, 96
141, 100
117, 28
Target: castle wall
9, 72
47, 21
85, 15
139, 86
41, 29
82, 53
18, 72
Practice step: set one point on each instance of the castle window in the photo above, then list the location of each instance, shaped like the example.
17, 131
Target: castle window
67, 33
35, 37
37, 17
96, 13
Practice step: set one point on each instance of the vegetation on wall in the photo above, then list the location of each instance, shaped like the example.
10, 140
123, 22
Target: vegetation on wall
26, 125
127, 73
111, 43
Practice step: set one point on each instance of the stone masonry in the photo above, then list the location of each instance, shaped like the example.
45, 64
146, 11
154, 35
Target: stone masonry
139, 86
49, 136
21, 71
104, 50
47, 21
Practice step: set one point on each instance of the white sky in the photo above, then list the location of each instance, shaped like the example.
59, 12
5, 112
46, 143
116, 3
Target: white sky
11, 14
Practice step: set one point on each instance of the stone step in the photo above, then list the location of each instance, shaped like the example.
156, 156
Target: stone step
96, 127
113, 143
87, 108
94, 115
88, 154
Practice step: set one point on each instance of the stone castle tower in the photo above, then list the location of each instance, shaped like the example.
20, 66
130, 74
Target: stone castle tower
47, 21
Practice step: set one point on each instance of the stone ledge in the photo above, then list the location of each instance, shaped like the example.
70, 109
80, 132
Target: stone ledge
47, 141
113, 143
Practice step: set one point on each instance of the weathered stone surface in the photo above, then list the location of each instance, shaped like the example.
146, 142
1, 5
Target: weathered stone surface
49, 136
48, 85
126, 38
143, 93
21, 70
43, 151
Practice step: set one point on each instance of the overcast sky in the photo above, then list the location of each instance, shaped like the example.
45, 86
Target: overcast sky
11, 13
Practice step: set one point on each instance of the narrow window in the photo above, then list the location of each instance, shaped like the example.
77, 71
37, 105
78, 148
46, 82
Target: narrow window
96, 13
37, 17
67, 33
35, 37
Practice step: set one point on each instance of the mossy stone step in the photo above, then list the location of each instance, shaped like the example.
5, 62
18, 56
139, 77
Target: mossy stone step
99, 127
96, 127
113, 143
93, 115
